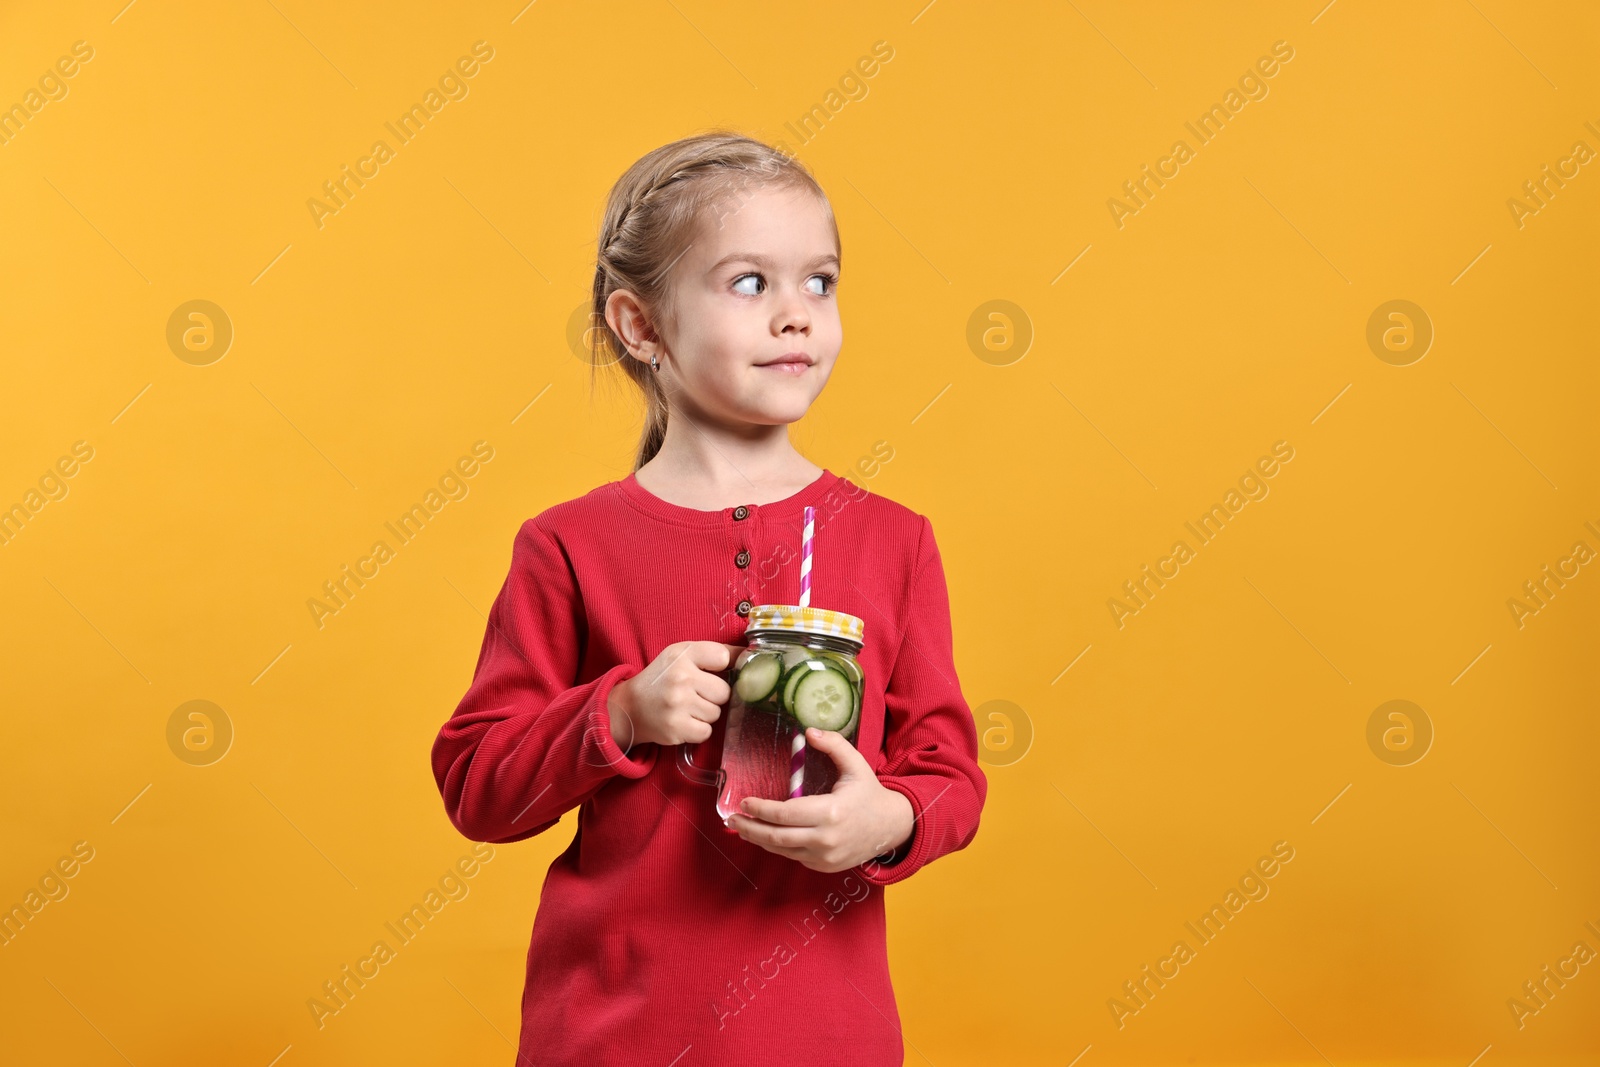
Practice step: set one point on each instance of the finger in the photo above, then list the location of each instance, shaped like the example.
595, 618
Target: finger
796, 811
705, 711
845, 756
712, 687
784, 839
799, 855
711, 655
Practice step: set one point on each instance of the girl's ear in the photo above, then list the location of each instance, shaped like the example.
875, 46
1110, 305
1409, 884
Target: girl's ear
629, 321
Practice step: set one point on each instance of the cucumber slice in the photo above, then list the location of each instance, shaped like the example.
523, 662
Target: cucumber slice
791, 660
822, 696
793, 657
844, 663
758, 678
852, 670
850, 727
790, 678
855, 716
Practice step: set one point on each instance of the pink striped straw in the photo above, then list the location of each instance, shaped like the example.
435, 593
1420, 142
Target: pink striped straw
797, 750
805, 558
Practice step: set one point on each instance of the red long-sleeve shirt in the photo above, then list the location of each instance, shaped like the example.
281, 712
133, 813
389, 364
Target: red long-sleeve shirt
662, 937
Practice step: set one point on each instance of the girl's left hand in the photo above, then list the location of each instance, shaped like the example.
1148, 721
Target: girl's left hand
835, 831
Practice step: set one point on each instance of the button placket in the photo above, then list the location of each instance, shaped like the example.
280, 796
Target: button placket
742, 560
749, 541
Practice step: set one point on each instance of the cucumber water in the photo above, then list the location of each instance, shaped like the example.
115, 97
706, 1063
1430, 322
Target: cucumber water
814, 688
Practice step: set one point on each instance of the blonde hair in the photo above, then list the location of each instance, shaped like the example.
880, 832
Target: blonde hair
652, 216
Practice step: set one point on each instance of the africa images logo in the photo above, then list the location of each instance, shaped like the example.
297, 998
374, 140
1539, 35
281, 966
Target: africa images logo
452, 85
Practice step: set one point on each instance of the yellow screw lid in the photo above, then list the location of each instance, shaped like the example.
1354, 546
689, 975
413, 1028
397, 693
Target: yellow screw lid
777, 618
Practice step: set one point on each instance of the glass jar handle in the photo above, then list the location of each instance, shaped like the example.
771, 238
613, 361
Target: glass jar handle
692, 770
686, 764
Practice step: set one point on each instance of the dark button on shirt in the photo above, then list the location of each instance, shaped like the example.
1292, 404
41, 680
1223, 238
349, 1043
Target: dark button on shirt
740, 512
744, 607
742, 559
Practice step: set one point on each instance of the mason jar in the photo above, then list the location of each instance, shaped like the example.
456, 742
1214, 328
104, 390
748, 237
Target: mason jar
799, 669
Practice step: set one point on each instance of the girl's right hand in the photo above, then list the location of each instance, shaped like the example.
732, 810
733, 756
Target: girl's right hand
676, 698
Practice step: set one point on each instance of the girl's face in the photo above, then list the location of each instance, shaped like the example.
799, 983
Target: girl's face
754, 327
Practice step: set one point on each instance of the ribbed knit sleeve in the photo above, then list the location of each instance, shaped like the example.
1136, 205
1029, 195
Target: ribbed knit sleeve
929, 735
528, 742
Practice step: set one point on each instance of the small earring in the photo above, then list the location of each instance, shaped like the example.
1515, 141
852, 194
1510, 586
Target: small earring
653, 364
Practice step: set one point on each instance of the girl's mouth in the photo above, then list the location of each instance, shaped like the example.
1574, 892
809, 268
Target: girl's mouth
794, 368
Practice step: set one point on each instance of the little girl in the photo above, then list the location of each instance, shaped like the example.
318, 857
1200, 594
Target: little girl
663, 936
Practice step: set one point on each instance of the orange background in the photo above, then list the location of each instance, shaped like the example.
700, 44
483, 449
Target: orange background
1057, 454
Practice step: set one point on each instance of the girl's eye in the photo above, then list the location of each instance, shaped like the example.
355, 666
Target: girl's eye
828, 281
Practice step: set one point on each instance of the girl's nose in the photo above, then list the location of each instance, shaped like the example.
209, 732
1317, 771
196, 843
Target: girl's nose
793, 313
